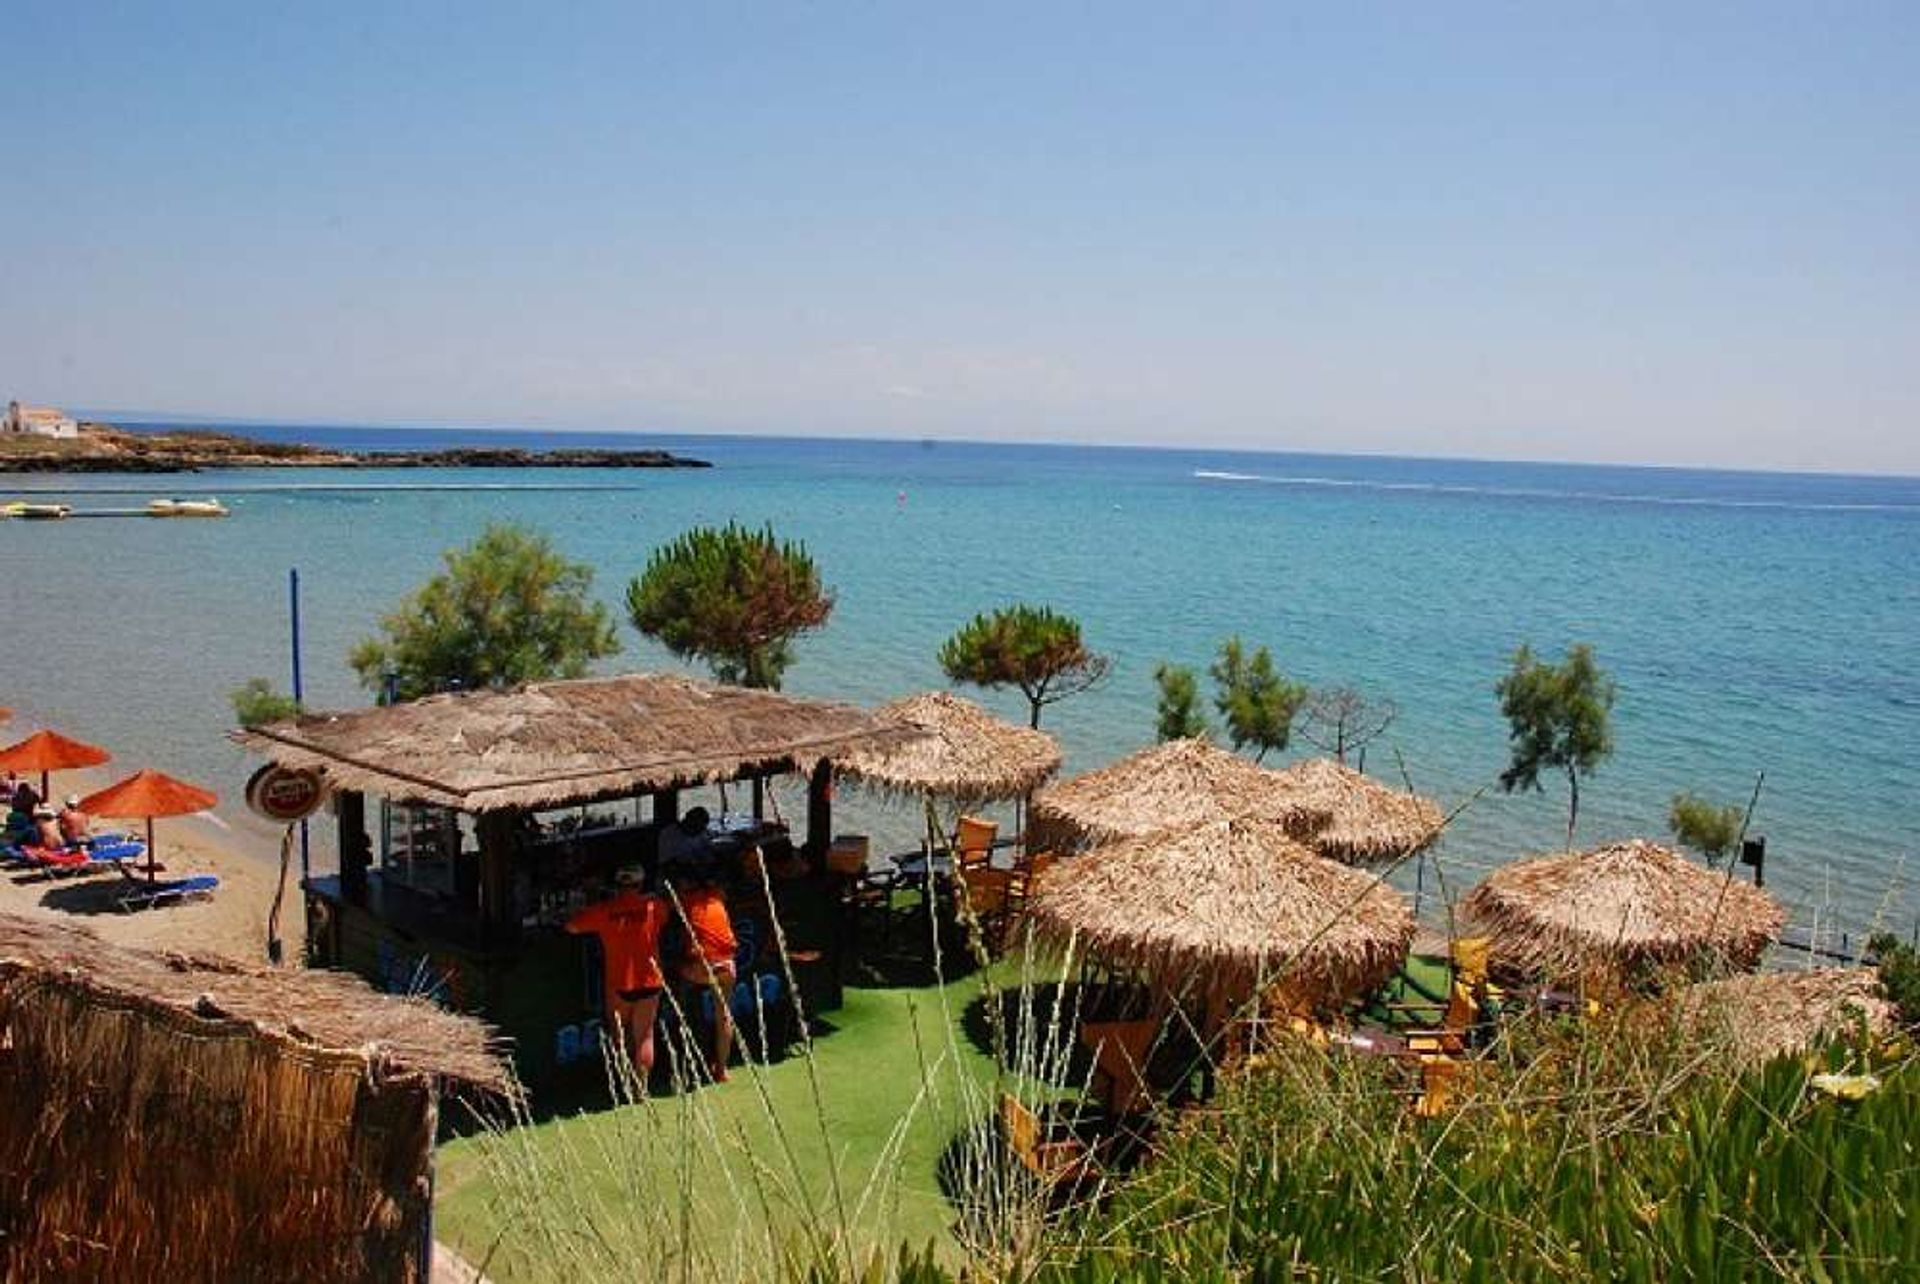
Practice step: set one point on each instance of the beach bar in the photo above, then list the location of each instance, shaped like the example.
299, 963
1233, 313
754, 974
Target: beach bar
472, 825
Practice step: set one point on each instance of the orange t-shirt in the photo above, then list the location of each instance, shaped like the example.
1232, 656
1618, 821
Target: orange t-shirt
628, 926
712, 926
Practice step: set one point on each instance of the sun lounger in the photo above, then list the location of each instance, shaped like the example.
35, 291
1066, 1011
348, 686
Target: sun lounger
60, 862
145, 895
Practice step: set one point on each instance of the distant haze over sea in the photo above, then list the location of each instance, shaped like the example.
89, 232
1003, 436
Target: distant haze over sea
1755, 621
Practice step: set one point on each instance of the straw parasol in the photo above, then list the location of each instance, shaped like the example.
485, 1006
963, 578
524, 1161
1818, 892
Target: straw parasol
1179, 784
144, 796
1369, 822
1239, 902
1621, 906
1768, 1014
49, 751
964, 753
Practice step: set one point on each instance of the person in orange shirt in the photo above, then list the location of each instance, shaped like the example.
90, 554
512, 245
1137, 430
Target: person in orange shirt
709, 960
628, 925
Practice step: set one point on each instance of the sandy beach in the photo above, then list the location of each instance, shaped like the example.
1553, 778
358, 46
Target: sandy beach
233, 922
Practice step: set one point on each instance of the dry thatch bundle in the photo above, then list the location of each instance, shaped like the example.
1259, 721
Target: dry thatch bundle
1769, 1014
1368, 822
1179, 784
553, 744
172, 1117
1619, 908
1237, 904
389, 1034
962, 752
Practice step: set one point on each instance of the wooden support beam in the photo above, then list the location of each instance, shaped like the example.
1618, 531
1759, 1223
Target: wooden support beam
498, 915
356, 849
819, 814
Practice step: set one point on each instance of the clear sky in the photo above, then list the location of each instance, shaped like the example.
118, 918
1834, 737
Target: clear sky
1661, 233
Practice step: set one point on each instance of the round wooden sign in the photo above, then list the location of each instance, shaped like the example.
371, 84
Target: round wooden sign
284, 794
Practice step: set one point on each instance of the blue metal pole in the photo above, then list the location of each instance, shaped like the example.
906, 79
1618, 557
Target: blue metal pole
299, 695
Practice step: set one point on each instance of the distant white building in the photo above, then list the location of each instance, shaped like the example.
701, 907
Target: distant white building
43, 421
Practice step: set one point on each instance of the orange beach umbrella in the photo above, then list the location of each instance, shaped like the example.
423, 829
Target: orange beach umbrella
49, 751
145, 795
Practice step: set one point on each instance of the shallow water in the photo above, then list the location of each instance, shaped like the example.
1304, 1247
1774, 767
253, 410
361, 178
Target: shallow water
1753, 621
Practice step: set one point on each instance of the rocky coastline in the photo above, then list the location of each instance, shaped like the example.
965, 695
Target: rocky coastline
102, 448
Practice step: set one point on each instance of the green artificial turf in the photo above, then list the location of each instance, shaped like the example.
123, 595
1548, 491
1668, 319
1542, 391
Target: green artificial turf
890, 1055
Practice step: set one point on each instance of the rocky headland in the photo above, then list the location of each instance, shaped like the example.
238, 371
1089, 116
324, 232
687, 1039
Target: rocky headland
103, 448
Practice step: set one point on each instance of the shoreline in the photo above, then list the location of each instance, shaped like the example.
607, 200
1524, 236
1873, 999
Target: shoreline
103, 448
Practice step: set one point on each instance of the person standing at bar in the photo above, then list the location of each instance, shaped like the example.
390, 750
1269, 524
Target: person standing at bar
628, 925
709, 959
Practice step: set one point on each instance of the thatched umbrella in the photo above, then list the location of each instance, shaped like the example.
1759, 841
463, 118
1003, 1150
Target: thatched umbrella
1767, 1014
1619, 907
144, 796
49, 751
963, 753
1180, 784
1237, 904
1369, 822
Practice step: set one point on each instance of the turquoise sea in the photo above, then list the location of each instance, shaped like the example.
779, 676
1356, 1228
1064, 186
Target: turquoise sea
1755, 622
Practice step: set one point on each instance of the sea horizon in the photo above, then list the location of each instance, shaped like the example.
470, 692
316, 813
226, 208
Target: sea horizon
280, 430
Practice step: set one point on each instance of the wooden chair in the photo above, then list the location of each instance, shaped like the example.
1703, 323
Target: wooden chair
1438, 1078
973, 842
1026, 873
998, 897
1120, 1051
1061, 1162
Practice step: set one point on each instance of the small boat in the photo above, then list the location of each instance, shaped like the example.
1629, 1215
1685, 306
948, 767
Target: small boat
41, 512
186, 508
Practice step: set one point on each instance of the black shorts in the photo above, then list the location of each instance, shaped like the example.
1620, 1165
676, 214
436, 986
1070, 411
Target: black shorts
634, 996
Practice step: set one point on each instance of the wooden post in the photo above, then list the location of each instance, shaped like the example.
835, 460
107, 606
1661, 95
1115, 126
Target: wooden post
356, 851
497, 842
819, 814
666, 806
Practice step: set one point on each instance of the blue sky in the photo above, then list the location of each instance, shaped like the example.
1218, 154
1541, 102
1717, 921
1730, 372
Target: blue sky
1670, 234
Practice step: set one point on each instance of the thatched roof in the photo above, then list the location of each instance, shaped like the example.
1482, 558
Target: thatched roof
1233, 904
1767, 1014
964, 753
1369, 821
1620, 906
553, 744
318, 1011
1179, 784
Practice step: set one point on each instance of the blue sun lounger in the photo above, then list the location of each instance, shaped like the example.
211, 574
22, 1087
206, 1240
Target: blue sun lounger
145, 895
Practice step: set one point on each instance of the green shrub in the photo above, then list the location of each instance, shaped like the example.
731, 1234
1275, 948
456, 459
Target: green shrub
1606, 1157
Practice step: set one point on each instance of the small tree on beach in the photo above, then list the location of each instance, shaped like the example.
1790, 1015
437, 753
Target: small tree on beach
1559, 718
1255, 700
733, 597
1034, 648
1711, 830
1179, 716
1340, 720
256, 703
507, 609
